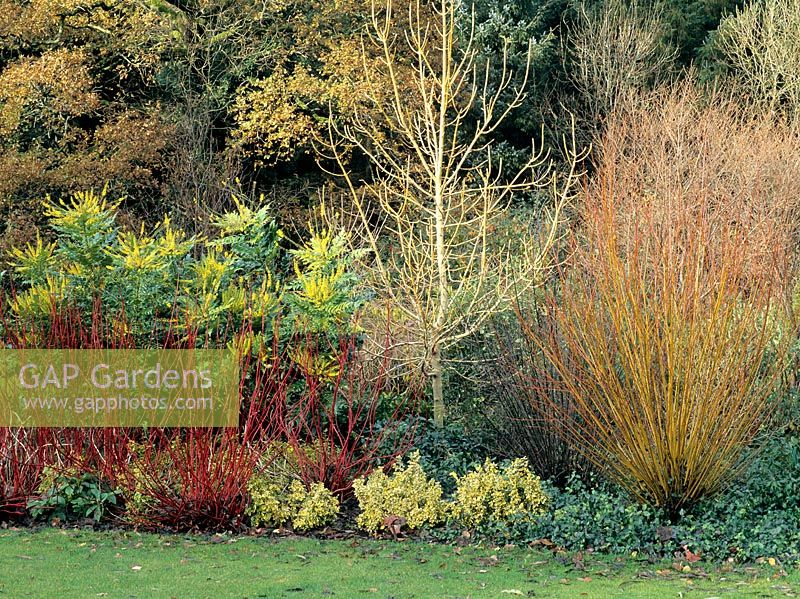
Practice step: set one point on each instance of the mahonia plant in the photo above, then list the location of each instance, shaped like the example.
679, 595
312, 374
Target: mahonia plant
326, 292
91, 258
489, 493
163, 278
407, 493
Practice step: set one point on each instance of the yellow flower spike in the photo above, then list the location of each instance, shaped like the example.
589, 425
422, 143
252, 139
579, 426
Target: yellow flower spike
38, 301
82, 206
35, 259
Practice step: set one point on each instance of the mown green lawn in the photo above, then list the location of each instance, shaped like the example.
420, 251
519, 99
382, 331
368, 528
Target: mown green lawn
75, 563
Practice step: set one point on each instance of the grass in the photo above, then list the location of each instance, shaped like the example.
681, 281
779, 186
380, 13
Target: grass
78, 563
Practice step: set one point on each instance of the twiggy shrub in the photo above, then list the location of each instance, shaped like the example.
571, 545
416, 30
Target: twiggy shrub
490, 493
521, 398
407, 493
23, 456
664, 331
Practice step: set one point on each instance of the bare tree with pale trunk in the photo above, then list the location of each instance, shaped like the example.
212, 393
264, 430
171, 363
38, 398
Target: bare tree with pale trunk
437, 197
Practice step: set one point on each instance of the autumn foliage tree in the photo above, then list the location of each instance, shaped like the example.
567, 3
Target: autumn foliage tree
72, 112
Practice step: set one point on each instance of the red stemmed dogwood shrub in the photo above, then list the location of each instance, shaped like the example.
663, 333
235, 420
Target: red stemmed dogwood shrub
338, 427
26, 453
169, 478
335, 408
23, 455
190, 478
341, 423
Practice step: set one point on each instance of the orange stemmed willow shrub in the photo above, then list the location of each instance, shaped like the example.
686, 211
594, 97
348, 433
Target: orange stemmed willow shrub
668, 335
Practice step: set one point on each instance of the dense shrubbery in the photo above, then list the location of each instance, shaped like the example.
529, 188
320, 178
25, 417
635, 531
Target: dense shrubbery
273, 503
495, 494
628, 338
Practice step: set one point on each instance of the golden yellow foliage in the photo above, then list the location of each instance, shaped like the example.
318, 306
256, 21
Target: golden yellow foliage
58, 84
408, 493
280, 116
490, 493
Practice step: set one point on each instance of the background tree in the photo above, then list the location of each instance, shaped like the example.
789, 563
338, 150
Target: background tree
690, 23
521, 36
76, 106
437, 193
616, 50
758, 49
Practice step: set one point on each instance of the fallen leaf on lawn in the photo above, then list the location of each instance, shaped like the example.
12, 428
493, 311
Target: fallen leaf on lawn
586, 579
577, 561
395, 524
136, 568
690, 557
488, 561
512, 592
